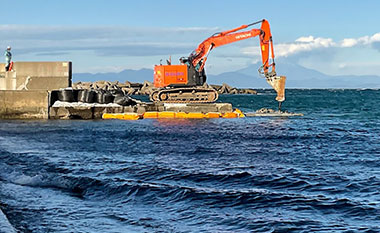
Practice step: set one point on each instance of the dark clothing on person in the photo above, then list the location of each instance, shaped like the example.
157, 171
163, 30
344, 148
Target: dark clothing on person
8, 59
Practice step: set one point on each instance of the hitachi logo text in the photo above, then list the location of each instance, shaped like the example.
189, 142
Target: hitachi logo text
243, 36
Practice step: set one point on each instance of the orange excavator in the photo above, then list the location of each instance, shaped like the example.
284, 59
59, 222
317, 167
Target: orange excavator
184, 83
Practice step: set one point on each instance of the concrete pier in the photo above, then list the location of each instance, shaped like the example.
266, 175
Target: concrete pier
63, 110
202, 108
36, 76
24, 104
24, 91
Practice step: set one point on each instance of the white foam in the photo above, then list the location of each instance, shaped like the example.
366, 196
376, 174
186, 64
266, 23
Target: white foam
28, 180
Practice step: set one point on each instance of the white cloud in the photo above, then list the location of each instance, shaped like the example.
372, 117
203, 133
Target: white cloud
349, 42
301, 44
305, 39
342, 65
365, 40
311, 43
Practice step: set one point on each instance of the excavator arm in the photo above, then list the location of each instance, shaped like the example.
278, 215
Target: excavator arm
199, 57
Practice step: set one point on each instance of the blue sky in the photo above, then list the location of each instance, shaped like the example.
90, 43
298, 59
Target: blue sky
334, 37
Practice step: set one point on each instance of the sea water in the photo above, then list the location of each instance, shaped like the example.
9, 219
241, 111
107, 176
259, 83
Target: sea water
319, 172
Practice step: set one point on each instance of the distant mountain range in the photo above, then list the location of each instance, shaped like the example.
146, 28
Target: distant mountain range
297, 77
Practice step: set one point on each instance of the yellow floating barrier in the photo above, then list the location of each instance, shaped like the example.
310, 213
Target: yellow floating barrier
213, 115
121, 116
192, 115
131, 116
196, 115
150, 115
181, 115
240, 113
112, 116
166, 114
230, 115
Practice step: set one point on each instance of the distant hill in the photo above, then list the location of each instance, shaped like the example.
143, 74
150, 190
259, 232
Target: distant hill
297, 77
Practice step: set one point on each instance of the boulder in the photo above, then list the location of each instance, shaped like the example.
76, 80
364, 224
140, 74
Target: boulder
147, 84
136, 85
216, 87
146, 90
247, 91
225, 89
82, 85
124, 101
234, 91
101, 82
128, 91
127, 84
206, 85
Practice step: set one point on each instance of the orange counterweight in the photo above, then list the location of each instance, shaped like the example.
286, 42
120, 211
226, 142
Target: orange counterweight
165, 75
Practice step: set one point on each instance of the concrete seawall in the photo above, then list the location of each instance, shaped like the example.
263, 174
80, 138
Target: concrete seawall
36, 76
24, 104
24, 91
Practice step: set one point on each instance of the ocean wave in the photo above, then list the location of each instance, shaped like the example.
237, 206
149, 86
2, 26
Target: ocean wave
133, 190
314, 173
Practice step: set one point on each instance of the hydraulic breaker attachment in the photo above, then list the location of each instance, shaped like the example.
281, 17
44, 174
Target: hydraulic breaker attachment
278, 84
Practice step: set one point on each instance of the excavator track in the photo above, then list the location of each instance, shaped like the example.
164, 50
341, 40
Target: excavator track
185, 95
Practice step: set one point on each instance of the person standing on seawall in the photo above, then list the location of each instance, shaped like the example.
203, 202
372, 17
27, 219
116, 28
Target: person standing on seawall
8, 58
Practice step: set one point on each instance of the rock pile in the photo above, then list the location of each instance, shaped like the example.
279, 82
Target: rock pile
226, 89
126, 88
146, 88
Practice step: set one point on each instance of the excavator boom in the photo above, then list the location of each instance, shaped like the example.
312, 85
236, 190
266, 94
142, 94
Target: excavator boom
199, 56
233, 35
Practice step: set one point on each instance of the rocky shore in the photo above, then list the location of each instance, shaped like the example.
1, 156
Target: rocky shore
146, 88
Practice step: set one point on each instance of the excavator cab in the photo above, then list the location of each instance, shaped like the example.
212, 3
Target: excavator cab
184, 61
